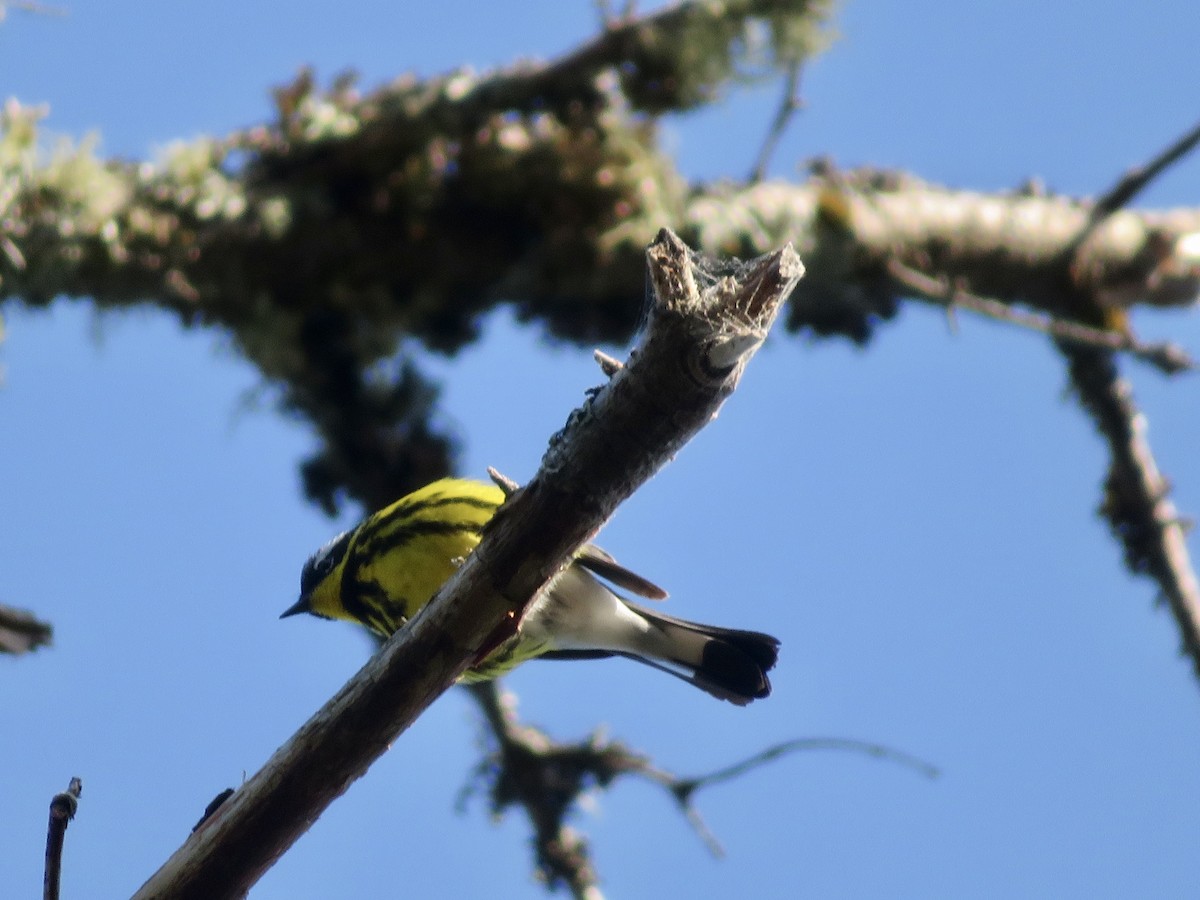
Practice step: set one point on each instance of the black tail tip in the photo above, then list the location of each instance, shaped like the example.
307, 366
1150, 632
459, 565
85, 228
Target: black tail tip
734, 668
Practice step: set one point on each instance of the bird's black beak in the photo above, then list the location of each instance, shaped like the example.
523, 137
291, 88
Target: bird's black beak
300, 606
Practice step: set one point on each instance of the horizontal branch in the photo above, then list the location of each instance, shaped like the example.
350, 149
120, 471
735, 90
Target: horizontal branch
540, 167
1017, 248
705, 321
379, 206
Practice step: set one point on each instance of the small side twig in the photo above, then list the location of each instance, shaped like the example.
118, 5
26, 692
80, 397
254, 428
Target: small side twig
21, 631
791, 103
502, 481
683, 789
1128, 186
609, 365
1134, 181
62, 811
1169, 358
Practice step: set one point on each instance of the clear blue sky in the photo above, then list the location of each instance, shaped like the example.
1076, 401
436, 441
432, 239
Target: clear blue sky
915, 521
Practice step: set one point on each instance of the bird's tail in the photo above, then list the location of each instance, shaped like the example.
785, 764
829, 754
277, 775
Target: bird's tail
728, 663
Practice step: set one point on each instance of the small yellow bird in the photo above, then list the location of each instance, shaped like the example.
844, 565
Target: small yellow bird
391, 564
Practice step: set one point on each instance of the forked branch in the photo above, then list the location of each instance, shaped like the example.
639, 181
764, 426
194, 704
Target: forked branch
1136, 504
547, 778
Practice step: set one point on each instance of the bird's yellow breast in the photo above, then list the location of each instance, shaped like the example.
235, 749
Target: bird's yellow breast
412, 575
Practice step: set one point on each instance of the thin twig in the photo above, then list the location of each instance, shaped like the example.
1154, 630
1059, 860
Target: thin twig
683, 789
21, 631
608, 365
879, 751
502, 481
791, 103
1129, 185
62, 811
1168, 357
1138, 178
547, 778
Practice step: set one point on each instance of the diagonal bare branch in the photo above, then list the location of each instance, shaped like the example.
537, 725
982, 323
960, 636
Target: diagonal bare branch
1136, 502
705, 322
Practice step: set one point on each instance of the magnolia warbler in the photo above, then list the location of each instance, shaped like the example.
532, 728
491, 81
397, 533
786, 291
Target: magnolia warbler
383, 570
